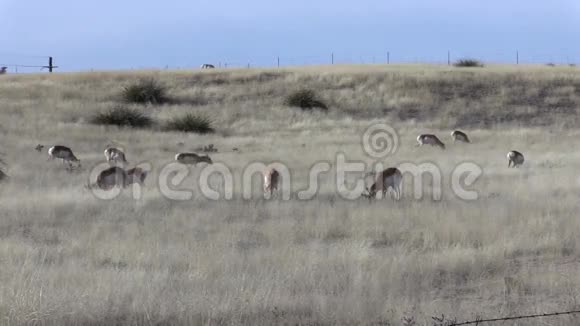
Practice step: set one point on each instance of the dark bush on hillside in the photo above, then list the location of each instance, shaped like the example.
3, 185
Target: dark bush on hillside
190, 123
145, 91
3, 175
468, 63
123, 117
306, 99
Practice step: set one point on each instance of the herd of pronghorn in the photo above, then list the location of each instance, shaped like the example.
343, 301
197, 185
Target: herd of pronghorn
116, 175
389, 179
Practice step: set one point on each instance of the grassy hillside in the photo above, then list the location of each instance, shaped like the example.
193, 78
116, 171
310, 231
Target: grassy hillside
436, 96
69, 258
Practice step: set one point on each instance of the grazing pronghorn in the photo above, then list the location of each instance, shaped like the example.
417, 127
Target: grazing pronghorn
64, 153
207, 66
111, 177
428, 139
516, 158
135, 175
192, 158
117, 176
115, 155
271, 180
3, 70
460, 136
39, 148
390, 178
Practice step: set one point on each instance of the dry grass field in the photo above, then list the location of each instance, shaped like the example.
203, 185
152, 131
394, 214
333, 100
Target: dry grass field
69, 258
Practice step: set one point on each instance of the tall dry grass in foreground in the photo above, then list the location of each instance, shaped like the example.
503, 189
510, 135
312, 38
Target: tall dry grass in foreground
68, 258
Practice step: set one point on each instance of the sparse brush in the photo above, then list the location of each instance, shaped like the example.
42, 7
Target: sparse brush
190, 123
306, 99
468, 63
123, 117
145, 91
3, 175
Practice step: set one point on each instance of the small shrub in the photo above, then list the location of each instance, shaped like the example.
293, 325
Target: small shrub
468, 63
190, 123
550, 64
145, 91
306, 99
122, 116
3, 175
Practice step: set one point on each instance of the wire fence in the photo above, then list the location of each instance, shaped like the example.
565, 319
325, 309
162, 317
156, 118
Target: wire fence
442, 321
20, 63
17, 63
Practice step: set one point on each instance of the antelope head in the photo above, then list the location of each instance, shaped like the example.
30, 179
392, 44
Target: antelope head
370, 193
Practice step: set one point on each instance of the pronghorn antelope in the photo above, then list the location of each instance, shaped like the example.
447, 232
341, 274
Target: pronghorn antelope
111, 177
460, 136
116, 176
3, 70
39, 148
271, 180
207, 66
428, 139
515, 158
207, 149
136, 175
390, 178
64, 153
192, 158
115, 155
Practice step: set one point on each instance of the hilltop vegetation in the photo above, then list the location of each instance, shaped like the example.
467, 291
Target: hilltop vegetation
439, 96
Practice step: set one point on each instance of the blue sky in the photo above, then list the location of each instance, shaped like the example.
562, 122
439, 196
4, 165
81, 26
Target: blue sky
122, 34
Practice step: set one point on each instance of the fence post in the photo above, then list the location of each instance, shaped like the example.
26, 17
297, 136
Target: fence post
517, 57
448, 58
50, 65
332, 58
388, 57
278, 62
